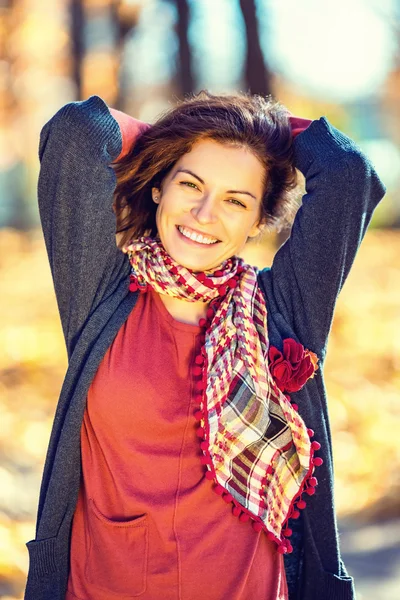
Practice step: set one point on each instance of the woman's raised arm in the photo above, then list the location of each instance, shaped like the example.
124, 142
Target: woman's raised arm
309, 270
75, 193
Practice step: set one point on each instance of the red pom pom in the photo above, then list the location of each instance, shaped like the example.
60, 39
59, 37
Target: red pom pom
222, 290
209, 475
289, 548
205, 460
199, 385
295, 407
208, 282
316, 445
200, 432
202, 322
197, 402
197, 371
199, 360
295, 514
287, 532
232, 283
301, 504
210, 313
244, 517
310, 491
257, 526
236, 511
318, 461
227, 498
282, 549
313, 481
219, 490
133, 287
310, 432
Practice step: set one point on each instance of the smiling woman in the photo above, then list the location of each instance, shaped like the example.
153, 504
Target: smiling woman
178, 451
206, 207
218, 167
236, 146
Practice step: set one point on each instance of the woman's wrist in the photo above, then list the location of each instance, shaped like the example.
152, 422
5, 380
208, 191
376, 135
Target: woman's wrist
298, 124
130, 128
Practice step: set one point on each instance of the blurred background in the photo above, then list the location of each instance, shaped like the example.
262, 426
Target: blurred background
339, 59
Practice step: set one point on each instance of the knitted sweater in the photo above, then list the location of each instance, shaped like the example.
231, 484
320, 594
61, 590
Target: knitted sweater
91, 278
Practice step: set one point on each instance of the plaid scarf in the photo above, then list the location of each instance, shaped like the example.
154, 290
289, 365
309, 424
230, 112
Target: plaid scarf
255, 445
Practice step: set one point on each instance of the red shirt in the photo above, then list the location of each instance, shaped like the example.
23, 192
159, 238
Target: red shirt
147, 522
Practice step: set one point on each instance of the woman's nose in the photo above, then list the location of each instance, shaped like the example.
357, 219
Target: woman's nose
206, 210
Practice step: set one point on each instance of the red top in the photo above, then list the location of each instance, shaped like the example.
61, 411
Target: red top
147, 523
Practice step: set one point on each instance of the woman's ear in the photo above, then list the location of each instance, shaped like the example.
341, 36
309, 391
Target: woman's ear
155, 193
257, 229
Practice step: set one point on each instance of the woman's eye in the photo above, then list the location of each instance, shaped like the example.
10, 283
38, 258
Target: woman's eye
189, 183
240, 203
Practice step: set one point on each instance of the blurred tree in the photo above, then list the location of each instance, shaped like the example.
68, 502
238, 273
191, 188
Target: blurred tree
77, 43
99, 30
184, 77
125, 17
257, 74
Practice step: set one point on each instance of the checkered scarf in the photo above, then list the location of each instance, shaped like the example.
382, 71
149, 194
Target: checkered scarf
256, 446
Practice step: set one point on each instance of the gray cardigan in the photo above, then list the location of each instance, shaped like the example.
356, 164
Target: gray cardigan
91, 277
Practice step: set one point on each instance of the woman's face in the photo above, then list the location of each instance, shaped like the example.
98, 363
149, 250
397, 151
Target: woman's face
220, 198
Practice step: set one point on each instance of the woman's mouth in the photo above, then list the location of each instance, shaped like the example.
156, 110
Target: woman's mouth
199, 244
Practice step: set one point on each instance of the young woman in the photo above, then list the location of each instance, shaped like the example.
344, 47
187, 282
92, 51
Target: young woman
191, 372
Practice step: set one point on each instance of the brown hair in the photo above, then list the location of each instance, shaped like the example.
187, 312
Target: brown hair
242, 119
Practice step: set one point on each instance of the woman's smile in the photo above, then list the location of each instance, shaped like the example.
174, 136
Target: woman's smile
194, 242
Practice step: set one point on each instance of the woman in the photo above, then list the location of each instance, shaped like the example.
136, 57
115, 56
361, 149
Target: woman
191, 372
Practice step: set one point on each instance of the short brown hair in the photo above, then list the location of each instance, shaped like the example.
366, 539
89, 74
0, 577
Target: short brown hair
260, 124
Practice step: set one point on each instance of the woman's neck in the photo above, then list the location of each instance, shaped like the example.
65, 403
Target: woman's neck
183, 310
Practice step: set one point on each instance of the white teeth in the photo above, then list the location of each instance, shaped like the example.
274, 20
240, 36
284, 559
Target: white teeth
196, 237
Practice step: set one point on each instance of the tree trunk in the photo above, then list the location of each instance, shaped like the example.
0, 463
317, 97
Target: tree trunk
77, 44
257, 75
184, 77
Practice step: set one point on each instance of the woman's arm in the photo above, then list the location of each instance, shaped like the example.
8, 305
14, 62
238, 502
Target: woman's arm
75, 193
342, 191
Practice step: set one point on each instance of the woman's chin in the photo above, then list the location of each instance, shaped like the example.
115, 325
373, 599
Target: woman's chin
195, 263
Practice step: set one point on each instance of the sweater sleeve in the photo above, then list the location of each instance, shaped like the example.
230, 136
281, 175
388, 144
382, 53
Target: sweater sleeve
75, 192
309, 270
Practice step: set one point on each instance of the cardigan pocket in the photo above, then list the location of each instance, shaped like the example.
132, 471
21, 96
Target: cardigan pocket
326, 585
116, 561
338, 588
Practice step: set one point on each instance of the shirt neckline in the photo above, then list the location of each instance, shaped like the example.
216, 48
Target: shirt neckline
166, 315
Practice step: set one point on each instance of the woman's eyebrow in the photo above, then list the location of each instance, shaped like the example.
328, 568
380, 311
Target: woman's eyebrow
202, 182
